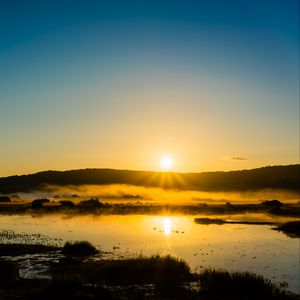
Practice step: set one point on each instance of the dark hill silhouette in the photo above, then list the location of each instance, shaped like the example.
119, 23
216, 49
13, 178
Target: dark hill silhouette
280, 177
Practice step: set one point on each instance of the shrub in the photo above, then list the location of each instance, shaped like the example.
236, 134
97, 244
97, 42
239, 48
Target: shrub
41, 200
38, 203
67, 203
272, 203
91, 203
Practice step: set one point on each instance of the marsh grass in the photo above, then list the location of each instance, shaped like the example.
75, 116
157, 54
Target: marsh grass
155, 277
170, 278
220, 284
155, 269
161, 275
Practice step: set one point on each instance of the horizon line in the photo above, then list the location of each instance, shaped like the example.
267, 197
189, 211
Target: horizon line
135, 170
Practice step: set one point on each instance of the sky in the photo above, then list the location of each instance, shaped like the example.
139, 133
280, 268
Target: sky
85, 84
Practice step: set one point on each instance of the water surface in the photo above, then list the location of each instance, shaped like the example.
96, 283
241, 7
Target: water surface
239, 247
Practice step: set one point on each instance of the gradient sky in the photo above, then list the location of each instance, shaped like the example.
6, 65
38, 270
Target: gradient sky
120, 83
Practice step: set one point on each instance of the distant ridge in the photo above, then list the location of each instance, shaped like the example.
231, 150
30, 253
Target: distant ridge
280, 177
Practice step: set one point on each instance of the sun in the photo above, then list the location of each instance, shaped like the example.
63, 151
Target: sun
166, 162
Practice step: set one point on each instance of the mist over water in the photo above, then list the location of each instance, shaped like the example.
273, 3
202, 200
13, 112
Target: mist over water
234, 247
124, 192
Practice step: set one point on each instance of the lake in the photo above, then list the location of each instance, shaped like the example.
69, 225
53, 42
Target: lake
238, 247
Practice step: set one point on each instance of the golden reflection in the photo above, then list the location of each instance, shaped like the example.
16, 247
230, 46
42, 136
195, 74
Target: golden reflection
167, 226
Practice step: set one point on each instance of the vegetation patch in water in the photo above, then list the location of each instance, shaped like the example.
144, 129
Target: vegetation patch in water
79, 248
291, 228
208, 221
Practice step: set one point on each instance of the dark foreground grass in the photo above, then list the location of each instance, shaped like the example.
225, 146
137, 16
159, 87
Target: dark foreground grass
169, 277
132, 278
220, 284
161, 270
154, 277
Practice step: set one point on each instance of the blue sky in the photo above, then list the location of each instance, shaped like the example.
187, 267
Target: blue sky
121, 83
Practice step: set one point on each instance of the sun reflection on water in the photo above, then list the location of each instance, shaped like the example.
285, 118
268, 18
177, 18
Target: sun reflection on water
167, 226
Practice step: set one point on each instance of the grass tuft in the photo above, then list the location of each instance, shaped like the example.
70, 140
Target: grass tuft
79, 248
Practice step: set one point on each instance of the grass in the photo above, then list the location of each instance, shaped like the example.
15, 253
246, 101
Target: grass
154, 277
219, 284
141, 270
161, 275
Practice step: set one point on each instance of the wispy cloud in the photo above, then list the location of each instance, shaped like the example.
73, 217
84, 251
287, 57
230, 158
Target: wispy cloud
238, 158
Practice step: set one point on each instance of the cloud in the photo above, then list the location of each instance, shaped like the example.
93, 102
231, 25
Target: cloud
238, 158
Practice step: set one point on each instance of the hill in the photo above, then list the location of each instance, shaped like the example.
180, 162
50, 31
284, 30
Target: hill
279, 177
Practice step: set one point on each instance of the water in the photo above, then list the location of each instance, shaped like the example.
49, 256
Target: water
253, 248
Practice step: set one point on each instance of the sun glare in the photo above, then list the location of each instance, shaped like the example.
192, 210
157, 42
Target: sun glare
166, 162
167, 226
